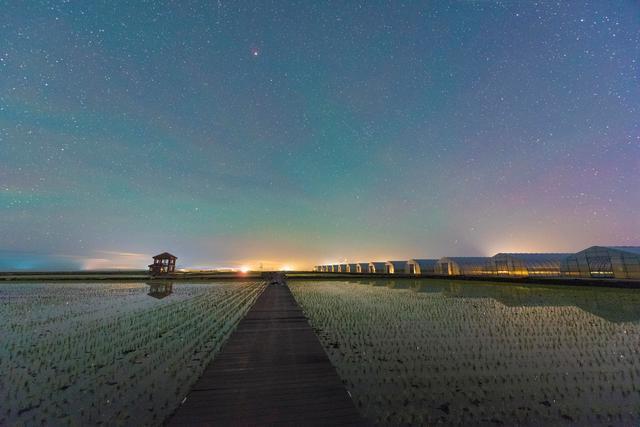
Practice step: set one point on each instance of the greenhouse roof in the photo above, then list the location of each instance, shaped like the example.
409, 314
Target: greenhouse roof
424, 262
461, 260
535, 257
397, 263
629, 249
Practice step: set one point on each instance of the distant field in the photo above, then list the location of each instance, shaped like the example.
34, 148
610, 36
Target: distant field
446, 352
77, 353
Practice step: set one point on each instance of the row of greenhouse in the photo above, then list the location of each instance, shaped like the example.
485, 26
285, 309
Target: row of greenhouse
617, 262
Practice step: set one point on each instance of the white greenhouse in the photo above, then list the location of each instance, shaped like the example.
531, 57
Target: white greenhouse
352, 268
527, 265
612, 262
395, 267
421, 266
463, 266
377, 267
362, 267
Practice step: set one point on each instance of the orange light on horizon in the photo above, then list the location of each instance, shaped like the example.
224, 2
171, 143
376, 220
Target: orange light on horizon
244, 269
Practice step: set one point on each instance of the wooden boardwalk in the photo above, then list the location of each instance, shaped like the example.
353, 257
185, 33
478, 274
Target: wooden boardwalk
271, 371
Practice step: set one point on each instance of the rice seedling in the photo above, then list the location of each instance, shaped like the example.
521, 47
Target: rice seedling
108, 353
465, 354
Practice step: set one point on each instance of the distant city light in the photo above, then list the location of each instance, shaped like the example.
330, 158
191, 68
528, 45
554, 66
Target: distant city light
286, 268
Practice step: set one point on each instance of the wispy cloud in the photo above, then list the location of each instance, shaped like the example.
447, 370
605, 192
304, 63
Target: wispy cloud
36, 261
95, 260
123, 254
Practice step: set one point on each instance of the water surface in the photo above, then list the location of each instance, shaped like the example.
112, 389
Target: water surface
109, 353
465, 353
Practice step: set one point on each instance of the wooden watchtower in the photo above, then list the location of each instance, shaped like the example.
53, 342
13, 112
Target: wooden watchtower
163, 263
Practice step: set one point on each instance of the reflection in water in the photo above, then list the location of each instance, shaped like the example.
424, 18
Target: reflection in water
160, 289
466, 353
106, 353
614, 305
399, 284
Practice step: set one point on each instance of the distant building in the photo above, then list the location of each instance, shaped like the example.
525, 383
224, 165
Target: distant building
527, 265
362, 267
395, 267
616, 262
612, 262
163, 263
421, 266
377, 267
463, 266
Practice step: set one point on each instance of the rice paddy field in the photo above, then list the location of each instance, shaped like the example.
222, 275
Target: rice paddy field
109, 353
464, 353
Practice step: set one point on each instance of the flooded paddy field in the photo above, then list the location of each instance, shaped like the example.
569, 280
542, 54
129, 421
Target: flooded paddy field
462, 353
109, 353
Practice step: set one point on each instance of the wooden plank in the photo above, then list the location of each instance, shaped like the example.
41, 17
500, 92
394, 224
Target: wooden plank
272, 370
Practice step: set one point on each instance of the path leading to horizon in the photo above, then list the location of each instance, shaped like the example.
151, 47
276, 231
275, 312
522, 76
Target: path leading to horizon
272, 370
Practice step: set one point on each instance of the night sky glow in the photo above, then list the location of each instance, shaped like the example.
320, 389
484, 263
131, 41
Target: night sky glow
240, 133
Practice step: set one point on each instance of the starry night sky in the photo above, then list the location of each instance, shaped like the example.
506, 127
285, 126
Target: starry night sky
239, 133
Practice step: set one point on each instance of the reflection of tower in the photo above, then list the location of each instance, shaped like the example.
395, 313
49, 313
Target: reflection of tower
160, 290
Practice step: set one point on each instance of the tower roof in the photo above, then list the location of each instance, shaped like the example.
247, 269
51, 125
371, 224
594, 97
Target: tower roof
165, 255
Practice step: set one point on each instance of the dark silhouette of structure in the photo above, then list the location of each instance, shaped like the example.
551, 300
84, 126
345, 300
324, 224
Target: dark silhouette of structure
163, 263
160, 290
